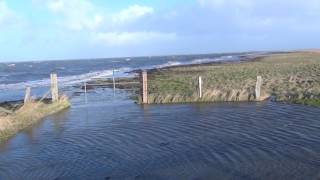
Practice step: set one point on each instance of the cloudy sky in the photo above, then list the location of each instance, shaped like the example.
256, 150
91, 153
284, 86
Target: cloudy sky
71, 29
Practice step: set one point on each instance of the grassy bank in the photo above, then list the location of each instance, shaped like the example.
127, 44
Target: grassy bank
29, 114
290, 77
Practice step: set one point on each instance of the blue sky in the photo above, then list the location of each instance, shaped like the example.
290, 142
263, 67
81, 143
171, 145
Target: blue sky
72, 29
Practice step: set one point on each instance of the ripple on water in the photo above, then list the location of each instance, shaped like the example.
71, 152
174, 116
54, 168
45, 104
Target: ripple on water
125, 141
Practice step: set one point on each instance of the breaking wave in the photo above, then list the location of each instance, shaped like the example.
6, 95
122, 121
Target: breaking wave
168, 64
64, 81
76, 79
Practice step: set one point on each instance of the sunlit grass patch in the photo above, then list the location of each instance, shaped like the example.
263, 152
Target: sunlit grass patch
286, 77
29, 114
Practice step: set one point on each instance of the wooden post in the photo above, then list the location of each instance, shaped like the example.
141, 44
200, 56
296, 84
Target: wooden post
258, 87
54, 87
114, 83
85, 92
27, 97
200, 86
144, 87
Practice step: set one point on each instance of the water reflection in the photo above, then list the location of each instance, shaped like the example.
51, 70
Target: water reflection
58, 121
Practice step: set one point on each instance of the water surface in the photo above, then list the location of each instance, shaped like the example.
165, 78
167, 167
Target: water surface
113, 138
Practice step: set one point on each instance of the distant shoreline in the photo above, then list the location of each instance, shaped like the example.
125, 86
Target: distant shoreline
243, 58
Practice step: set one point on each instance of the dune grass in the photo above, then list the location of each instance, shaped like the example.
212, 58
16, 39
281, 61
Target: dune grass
29, 114
290, 77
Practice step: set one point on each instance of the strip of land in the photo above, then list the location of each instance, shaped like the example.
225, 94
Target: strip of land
287, 77
16, 116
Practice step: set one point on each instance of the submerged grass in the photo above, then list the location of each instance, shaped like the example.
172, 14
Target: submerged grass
29, 114
310, 102
293, 77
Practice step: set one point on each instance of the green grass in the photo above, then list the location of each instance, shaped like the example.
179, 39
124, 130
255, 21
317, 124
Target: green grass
287, 77
27, 115
310, 102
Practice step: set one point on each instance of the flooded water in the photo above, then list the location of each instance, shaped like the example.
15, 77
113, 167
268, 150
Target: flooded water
113, 138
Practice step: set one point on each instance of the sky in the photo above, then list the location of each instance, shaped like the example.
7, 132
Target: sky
81, 29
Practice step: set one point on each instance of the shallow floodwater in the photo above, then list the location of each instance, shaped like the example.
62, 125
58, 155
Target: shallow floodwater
113, 138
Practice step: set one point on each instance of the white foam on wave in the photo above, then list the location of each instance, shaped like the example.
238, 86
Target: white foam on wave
64, 81
208, 60
194, 61
76, 79
168, 64
204, 60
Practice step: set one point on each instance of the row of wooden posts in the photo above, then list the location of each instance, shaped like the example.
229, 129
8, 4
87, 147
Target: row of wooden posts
144, 87
54, 89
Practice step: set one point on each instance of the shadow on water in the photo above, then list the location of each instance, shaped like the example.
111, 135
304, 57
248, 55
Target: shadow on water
108, 138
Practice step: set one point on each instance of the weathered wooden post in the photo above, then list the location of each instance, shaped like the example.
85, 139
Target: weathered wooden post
200, 86
85, 92
27, 96
258, 87
144, 87
114, 83
54, 87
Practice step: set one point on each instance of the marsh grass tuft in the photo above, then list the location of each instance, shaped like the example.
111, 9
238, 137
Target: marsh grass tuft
29, 114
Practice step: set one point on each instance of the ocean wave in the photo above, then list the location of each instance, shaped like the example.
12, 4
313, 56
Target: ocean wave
208, 60
205, 60
76, 79
168, 64
194, 61
66, 80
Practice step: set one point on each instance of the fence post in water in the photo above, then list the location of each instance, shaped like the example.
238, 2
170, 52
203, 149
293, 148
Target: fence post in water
114, 83
54, 87
27, 97
258, 87
144, 87
200, 86
85, 92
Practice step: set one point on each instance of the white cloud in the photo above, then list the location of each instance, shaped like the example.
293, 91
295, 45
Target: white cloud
84, 15
227, 3
313, 7
76, 14
56, 6
132, 38
6, 15
285, 6
109, 29
213, 3
132, 13
269, 14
